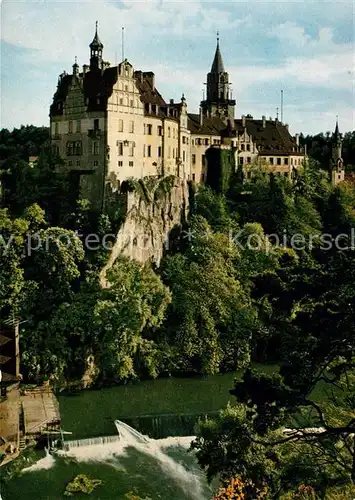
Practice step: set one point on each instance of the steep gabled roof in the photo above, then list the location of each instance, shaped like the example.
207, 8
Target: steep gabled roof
210, 126
274, 138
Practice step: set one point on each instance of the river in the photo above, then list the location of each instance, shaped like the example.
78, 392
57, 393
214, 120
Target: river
155, 467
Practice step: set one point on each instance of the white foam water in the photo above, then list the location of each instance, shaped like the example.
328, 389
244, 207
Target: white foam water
109, 450
46, 462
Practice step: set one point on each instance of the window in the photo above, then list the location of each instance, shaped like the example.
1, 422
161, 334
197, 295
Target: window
193, 177
149, 150
70, 127
173, 133
131, 103
56, 128
78, 163
183, 156
241, 160
120, 148
173, 152
286, 174
70, 163
291, 161
271, 160
154, 109
248, 147
183, 139
168, 131
242, 147
159, 151
160, 130
96, 148
121, 101
279, 161
286, 161
249, 175
78, 125
120, 125
207, 142
130, 163
126, 86
202, 177
120, 163
249, 159
96, 124
96, 163
131, 149
131, 126
74, 148
149, 129
193, 142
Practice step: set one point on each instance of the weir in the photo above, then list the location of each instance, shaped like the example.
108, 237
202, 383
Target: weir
77, 443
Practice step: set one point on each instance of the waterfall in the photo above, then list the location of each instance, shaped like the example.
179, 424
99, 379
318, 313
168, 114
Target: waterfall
187, 480
77, 443
45, 463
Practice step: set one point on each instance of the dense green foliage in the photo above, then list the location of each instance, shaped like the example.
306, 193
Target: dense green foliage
319, 148
235, 286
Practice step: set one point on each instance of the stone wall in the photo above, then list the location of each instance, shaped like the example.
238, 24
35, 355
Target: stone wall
151, 215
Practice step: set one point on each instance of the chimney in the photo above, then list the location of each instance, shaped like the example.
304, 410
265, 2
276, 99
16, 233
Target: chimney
171, 101
264, 121
243, 121
201, 117
297, 138
149, 76
138, 75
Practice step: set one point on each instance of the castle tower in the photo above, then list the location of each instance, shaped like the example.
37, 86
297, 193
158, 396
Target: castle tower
336, 162
218, 102
96, 48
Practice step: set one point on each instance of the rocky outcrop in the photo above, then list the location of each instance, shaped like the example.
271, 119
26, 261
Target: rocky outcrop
154, 207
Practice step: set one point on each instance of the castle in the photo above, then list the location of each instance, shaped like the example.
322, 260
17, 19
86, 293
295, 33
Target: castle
111, 123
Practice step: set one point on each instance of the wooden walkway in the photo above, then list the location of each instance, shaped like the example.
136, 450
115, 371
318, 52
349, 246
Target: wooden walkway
40, 410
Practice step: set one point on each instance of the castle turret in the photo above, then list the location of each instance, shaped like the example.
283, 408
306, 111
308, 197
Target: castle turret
96, 48
218, 102
336, 161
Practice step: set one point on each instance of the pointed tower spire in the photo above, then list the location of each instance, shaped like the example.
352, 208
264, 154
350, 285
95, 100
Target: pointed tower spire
336, 132
217, 65
96, 47
218, 101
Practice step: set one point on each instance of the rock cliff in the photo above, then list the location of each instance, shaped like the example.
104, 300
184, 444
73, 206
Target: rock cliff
153, 207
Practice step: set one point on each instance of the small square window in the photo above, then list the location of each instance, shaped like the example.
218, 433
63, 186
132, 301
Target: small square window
131, 163
96, 163
78, 163
120, 163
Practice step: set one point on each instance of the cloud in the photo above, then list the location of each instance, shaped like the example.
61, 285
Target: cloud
175, 39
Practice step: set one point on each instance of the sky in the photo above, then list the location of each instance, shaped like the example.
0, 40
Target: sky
306, 48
